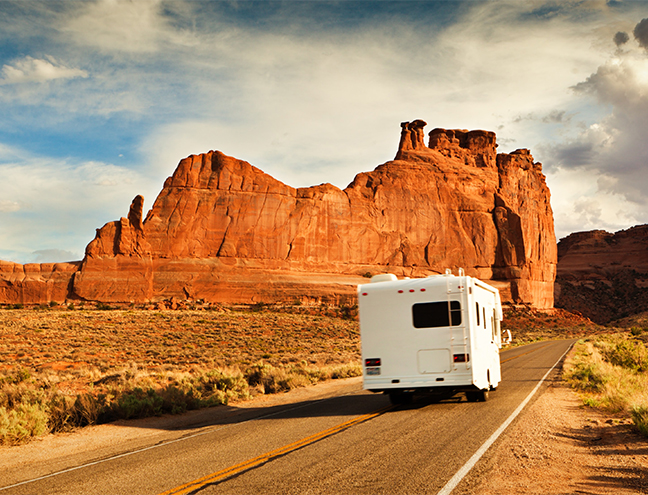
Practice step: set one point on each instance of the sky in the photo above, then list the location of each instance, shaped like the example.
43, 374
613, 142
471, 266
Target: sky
100, 100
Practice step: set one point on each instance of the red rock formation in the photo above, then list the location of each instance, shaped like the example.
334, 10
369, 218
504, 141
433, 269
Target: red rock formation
35, 282
222, 230
602, 275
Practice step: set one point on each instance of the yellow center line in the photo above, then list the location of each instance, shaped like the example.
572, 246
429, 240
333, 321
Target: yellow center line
525, 353
263, 458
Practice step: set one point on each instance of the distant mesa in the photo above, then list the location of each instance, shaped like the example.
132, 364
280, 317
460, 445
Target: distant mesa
221, 230
602, 275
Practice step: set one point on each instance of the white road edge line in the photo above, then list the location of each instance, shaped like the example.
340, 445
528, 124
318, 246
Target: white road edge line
205, 431
461, 474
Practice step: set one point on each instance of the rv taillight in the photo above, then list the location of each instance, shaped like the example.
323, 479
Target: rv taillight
372, 362
461, 358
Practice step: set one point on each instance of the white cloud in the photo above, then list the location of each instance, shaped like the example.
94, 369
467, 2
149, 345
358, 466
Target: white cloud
57, 205
31, 69
614, 149
7, 206
311, 109
581, 201
127, 26
54, 256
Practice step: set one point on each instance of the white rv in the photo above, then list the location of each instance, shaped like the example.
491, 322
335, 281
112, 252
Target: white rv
440, 332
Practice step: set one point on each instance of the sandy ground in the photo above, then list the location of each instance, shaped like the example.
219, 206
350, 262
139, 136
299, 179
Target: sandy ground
555, 446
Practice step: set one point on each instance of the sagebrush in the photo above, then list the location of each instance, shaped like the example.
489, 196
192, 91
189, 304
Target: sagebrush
611, 371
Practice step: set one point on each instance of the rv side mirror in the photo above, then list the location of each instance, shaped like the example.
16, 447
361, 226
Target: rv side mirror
507, 338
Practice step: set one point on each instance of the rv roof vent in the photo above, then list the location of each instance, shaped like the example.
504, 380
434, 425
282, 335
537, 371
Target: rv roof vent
384, 277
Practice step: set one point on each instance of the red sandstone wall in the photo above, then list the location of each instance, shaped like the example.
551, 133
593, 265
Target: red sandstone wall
223, 230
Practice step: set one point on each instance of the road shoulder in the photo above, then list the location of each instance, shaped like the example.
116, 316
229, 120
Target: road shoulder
559, 446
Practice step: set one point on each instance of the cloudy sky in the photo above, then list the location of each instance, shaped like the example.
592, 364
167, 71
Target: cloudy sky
101, 99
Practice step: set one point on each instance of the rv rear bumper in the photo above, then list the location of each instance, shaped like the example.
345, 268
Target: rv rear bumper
446, 380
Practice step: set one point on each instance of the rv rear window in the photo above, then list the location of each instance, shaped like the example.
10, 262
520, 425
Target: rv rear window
436, 314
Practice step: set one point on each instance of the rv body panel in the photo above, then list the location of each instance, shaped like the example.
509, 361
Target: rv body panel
440, 331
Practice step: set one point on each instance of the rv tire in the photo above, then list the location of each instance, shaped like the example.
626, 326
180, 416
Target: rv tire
477, 396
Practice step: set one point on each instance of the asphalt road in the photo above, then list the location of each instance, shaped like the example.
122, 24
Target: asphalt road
351, 443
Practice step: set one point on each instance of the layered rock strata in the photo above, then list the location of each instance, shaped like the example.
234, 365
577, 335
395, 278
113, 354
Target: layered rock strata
602, 275
36, 282
222, 230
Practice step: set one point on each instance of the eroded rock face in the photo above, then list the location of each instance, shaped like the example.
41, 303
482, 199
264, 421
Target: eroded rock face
603, 275
224, 231
36, 282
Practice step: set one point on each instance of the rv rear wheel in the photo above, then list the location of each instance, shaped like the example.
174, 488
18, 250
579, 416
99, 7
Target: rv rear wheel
478, 396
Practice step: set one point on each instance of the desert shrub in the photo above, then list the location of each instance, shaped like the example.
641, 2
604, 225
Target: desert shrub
135, 403
188, 393
640, 419
254, 374
587, 376
608, 371
347, 370
16, 376
334, 372
14, 394
232, 384
275, 380
21, 423
626, 353
258, 306
65, 412
86, 410
60, 413
177, 401
281, 380
349, 312
592, 401
584, 370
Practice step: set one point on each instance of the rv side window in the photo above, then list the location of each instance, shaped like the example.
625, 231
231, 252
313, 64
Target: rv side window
477, 304
436, 314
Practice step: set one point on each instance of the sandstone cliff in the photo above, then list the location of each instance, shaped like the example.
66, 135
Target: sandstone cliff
223, 230
602, 275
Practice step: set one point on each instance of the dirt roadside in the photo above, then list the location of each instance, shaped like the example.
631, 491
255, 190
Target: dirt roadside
555, 446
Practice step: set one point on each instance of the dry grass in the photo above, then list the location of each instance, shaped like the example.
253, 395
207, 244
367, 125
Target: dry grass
611, 371
63, 368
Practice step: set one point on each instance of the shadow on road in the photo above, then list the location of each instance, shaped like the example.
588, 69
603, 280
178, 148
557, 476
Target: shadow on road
343, 406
